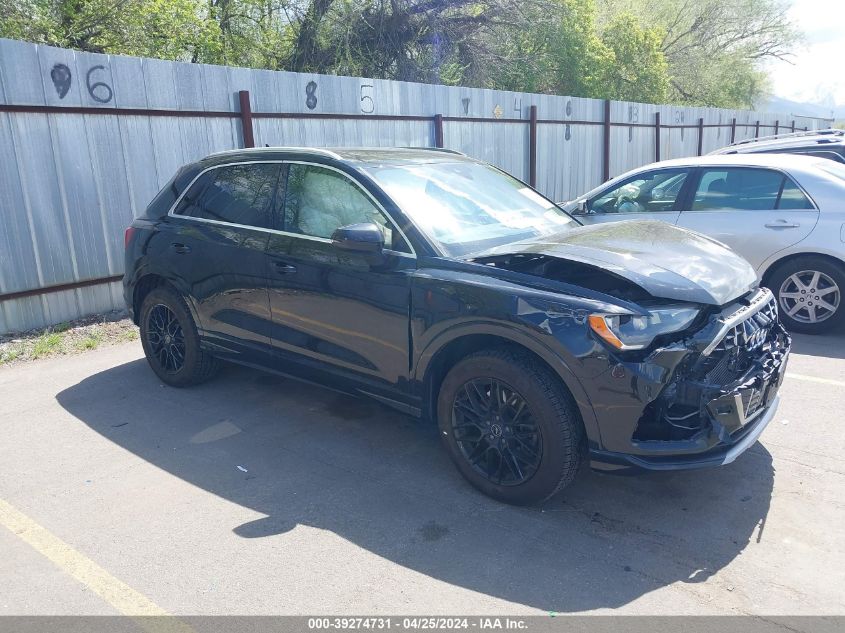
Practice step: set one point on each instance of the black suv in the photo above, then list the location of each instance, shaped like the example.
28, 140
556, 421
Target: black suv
819, 143
443, 287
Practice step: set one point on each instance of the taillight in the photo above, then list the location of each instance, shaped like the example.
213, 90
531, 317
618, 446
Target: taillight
127, 236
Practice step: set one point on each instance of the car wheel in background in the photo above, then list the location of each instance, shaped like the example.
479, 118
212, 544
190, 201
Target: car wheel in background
170, 340
510, 426
810, 291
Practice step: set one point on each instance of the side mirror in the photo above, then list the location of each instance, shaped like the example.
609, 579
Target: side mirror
581, 208
359, 238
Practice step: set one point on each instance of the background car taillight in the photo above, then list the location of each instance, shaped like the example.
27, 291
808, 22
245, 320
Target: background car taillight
127, 236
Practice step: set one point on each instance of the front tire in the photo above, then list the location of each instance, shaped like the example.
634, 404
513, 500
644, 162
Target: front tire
809, 293
171, 342
510, 426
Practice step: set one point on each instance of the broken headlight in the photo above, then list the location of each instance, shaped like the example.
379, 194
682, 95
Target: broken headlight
634, 331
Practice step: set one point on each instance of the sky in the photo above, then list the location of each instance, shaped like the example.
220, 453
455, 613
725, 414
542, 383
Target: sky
816, 73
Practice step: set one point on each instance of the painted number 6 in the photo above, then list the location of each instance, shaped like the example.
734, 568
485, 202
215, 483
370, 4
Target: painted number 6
101, 85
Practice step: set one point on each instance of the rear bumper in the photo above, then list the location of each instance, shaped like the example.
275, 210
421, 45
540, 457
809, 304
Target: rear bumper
717, 456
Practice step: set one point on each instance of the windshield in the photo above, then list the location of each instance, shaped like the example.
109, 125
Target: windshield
467, 207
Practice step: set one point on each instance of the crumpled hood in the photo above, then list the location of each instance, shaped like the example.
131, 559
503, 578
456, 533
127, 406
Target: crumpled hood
666, 261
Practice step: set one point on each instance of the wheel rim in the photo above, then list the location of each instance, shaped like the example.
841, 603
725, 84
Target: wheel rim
496, 432
166, 339
809, 296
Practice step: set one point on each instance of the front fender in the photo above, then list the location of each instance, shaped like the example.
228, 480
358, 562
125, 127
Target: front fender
512, 333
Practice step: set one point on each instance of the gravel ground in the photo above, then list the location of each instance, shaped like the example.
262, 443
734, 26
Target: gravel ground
72, 337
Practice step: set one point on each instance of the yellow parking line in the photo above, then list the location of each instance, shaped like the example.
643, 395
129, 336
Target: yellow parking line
115, 592
822, 381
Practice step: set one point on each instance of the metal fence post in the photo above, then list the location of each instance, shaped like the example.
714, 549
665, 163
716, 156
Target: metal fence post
606, 142
657, 137
733, 130
777, 127
757, 129
246, 118
532, 146
438, 130
793, 126
700, 136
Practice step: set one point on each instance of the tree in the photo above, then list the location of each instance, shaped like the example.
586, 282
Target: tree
169, 29
565, 52
714, 48
637, 69
701, 52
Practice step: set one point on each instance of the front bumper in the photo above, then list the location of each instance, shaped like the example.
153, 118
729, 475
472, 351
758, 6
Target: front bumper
719, 456
701, 402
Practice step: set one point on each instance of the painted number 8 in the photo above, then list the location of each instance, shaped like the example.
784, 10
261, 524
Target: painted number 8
311, 95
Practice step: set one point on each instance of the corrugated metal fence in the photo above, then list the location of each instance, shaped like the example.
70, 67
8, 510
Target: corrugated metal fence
87, 140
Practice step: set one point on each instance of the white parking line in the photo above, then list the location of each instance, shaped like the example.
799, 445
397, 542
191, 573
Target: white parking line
821, 381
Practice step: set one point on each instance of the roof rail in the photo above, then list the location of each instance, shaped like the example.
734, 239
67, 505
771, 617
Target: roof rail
320, 150
774, 137
438, 149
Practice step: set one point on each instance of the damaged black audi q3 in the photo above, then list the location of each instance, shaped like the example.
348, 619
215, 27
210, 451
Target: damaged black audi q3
443, 287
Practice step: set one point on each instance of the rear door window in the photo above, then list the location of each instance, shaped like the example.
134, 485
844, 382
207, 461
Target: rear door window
235, 194
747, 189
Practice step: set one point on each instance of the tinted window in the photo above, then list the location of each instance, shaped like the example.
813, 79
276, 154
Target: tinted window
792, 197
238, 194
646, 193
320, 200
745, 189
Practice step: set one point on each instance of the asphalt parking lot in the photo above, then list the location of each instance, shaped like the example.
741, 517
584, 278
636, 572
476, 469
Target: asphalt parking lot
253, 494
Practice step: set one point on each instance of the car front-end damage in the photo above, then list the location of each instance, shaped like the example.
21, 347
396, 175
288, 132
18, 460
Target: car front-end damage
682, 362
700, 401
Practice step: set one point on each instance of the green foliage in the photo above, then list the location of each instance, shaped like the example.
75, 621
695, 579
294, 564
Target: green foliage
168, 29
571, 55
714, 48
47, 343
698, 52
636, 69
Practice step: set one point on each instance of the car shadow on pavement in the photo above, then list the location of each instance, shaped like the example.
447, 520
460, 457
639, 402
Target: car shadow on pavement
381, 480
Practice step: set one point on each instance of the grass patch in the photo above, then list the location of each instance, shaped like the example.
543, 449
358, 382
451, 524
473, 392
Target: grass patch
47, 343
130, 334
67, 338
9, 355
92, 341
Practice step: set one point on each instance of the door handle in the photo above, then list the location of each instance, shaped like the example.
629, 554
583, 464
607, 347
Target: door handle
782, 224
180, 248
284, 268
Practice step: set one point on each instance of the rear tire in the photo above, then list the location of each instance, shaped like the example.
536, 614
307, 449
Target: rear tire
171, 342
510, 426
813, 289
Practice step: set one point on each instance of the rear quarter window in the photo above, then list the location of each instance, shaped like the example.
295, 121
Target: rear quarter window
234, 194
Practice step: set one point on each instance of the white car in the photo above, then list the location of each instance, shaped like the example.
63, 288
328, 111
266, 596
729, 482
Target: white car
784, 213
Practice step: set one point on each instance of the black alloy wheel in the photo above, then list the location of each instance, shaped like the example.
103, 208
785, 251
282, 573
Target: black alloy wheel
166, 339
496, 432
171, 341
510, 425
